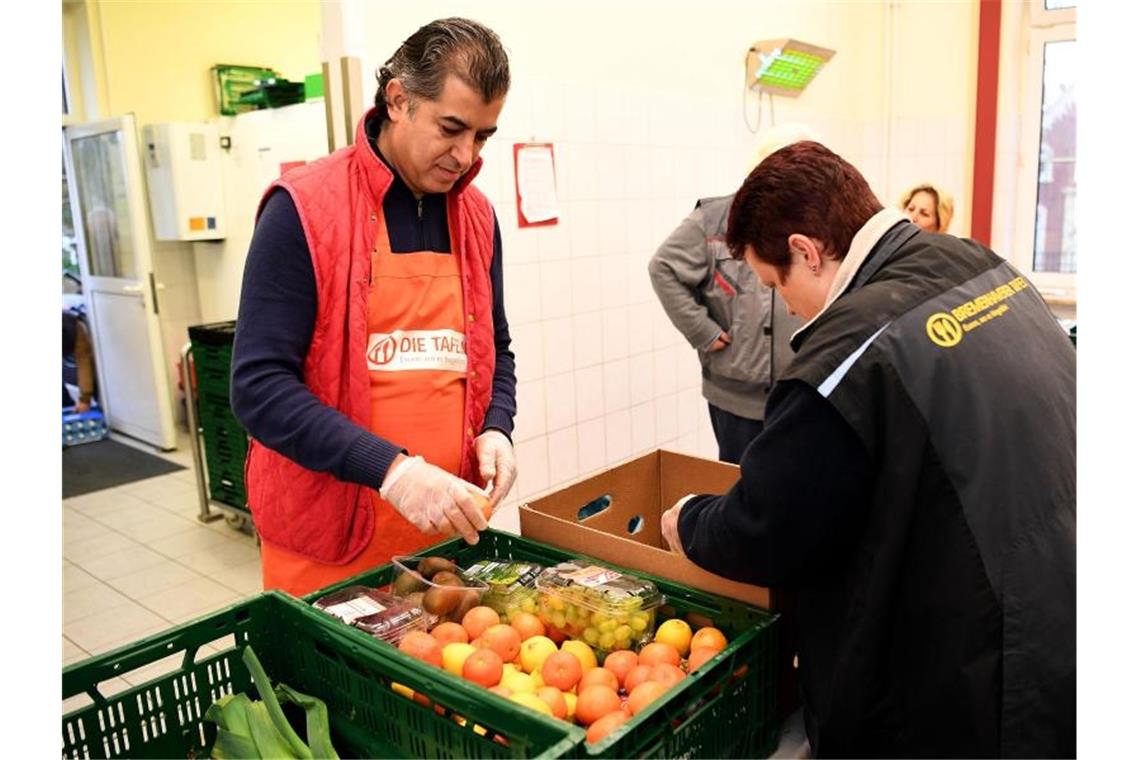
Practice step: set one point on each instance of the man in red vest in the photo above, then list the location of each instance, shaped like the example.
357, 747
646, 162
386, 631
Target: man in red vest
372, 363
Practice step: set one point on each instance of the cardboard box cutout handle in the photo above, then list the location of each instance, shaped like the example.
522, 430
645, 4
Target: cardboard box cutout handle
595, 507
636, 523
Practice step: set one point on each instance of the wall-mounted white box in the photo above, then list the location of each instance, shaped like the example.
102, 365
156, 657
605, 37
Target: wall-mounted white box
184, 181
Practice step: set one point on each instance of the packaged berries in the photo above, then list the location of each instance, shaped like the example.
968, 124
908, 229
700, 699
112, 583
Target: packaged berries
382, 615
606, 608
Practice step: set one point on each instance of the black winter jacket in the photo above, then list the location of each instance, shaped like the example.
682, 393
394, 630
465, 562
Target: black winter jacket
937, 601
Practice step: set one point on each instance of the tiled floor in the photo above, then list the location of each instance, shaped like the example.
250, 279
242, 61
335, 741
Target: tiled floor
136, 560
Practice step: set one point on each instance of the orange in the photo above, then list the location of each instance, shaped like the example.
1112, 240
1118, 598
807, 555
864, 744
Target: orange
534, 652
599, 676
645, 693
449, 632
636, 676
676, 633
562, 670
527, 624
423, 646
620, 663
594, 702
554, 698
479, 619
504, 640
709, 637
556, 635
699, 656
483, 667
604, 726
666, 674
656, 652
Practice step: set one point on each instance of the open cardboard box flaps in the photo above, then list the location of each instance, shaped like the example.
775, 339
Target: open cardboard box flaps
616, 516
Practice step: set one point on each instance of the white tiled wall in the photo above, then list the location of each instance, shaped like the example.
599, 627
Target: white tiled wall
603, 375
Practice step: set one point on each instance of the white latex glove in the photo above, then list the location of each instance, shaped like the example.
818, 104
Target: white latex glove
497, 466
433, 500
669, 521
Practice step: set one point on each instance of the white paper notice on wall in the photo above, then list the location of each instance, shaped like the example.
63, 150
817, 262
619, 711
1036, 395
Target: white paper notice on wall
535, 188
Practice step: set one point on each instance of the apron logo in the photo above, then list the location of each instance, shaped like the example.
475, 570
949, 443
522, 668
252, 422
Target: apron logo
437, 350
944, 330
383, 351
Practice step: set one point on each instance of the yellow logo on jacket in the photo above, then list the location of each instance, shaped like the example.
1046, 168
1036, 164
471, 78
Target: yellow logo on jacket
943, 329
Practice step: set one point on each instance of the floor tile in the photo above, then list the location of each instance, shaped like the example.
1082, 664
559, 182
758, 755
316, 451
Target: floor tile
90, 601
76, 578
162, 576
198, 595
195, 541
72, 652
218, 560
128, 560
105, 630
82, 552
155, 525
244, 579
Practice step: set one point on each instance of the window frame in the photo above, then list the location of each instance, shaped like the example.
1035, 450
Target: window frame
1060, 287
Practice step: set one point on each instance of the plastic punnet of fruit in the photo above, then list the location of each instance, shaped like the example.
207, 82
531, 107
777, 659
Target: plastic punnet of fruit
438, 586
383, 615
604, 607
511, 585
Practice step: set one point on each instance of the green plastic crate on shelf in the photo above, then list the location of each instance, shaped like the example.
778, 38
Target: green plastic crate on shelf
297, 645
727, 709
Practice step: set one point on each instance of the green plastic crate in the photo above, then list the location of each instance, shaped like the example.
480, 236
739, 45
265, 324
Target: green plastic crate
224, 439
297, 645
726, 710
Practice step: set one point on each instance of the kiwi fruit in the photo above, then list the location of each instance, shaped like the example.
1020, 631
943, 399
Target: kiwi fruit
429, 566
407, 583
447, 578
441, 600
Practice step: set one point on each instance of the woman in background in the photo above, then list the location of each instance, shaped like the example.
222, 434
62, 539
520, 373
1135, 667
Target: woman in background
928, 207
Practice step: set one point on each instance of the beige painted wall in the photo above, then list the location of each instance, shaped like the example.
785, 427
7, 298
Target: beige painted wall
153, 58
158, 54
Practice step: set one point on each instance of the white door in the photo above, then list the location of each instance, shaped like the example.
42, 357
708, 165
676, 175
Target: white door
108, 200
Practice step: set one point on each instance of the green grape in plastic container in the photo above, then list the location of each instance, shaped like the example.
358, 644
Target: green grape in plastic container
606, 608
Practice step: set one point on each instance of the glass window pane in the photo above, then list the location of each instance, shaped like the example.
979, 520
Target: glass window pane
1055, 241
1053, 5
100, 177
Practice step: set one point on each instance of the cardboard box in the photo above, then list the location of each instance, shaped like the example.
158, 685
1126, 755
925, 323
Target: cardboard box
625, 528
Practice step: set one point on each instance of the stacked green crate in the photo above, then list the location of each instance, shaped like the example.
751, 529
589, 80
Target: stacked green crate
224, 440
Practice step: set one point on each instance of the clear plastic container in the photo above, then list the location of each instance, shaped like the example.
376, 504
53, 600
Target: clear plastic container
606, 608
437, 586
511, 585
384, 616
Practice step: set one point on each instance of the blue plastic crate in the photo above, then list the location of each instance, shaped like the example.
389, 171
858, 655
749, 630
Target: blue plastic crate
83, 427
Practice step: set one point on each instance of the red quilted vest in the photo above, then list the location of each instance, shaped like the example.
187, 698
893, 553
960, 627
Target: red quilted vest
337, 197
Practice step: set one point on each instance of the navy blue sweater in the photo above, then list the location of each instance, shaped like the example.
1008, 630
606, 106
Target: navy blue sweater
276, 316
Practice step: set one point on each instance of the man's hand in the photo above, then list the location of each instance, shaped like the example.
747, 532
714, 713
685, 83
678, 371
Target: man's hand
432, 499
497, 465
722, 341
82, 406
669, 521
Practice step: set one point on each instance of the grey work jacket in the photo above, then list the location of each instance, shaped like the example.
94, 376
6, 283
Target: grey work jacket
704, 291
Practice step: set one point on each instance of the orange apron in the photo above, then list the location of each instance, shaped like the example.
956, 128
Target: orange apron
417, 365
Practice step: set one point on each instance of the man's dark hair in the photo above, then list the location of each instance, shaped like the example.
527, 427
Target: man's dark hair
446, 46
802, 188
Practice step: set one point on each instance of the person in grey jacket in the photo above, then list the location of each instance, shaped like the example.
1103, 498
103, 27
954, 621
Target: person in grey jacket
740, 329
